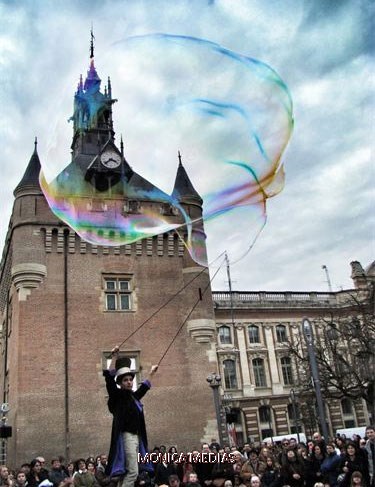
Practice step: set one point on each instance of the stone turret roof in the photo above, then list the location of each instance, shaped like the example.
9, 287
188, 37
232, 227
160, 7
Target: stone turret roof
30, 179
183, 190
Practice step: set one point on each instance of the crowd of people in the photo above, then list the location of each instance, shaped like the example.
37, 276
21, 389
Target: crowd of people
337, 463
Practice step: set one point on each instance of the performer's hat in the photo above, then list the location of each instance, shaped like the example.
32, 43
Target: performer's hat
123, 367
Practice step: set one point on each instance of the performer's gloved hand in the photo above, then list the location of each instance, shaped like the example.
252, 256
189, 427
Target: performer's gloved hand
115, 351
154, 368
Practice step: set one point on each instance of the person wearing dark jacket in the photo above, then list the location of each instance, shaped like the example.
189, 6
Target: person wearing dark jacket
292, 472
36, 474
57, 474
353, 460
128, 427
271, 475
330, 466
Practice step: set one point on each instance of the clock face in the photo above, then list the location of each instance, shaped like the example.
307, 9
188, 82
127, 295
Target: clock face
110, 159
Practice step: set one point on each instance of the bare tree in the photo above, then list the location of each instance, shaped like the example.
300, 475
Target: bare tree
345, 351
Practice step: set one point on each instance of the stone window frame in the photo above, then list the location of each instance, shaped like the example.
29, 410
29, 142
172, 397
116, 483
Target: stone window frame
289, 372
226, 327
234, 358
256, 372
254, 326
281, 337
118, 292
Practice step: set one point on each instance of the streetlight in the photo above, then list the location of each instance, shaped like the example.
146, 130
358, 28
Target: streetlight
295, 416
214, 381
309, 339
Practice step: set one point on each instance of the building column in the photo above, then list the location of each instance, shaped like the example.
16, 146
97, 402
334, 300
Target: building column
277, 387
248, 388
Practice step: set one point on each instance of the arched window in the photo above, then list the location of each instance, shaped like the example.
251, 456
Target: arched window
230, 374
224, 335
253, 332
281, 335
259, 372
286, 369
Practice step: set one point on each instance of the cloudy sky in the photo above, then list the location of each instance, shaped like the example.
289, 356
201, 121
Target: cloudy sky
321, 49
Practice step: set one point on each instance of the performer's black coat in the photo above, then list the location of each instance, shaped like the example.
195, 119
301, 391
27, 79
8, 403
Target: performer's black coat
127, 411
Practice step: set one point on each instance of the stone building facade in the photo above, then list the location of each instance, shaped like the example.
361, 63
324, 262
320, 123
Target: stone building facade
259, 374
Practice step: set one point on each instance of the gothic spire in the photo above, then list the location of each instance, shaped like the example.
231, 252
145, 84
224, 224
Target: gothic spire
183, 189
30, 179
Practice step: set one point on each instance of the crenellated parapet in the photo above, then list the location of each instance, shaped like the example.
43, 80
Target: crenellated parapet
168, 244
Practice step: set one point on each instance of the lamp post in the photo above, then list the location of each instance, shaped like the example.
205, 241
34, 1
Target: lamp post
309, 339
295, 416
214, 381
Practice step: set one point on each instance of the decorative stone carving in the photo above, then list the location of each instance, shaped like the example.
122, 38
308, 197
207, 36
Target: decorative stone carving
202, 330
26, 277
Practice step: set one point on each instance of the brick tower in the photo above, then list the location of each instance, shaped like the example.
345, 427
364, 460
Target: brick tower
65, 303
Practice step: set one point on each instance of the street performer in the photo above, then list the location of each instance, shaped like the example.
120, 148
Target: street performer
128, 426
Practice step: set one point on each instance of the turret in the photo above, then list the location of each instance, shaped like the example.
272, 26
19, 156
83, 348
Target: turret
29, 183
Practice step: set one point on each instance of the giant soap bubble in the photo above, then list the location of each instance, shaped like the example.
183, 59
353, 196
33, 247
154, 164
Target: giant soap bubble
229, 114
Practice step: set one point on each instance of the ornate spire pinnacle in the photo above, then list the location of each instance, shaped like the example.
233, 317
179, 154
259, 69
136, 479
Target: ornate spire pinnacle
179, 158
122, 146
92, 43
35, 145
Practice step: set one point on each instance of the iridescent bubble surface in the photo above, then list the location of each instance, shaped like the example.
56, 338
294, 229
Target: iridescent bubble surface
229, 114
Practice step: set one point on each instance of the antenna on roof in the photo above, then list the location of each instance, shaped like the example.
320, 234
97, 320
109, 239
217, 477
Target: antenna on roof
325, 268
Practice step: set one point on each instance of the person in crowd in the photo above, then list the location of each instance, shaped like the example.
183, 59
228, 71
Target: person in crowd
319, 440
340, 445
36, 475
253, 466
271, 474
237, 467
282, 455
5, 479
370, 449
103, 479
255, 481
21, 480
357, 480
163, 470
312, 465
173, 481
57, 474
70, 469
292, 471
82, 477
204, 470
128, 426
43, 469
330, 465
246, 451
90, 465
221, 472
143, 480
192, 480
353, 460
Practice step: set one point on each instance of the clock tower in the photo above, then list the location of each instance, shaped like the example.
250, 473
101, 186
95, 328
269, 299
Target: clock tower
66, 299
